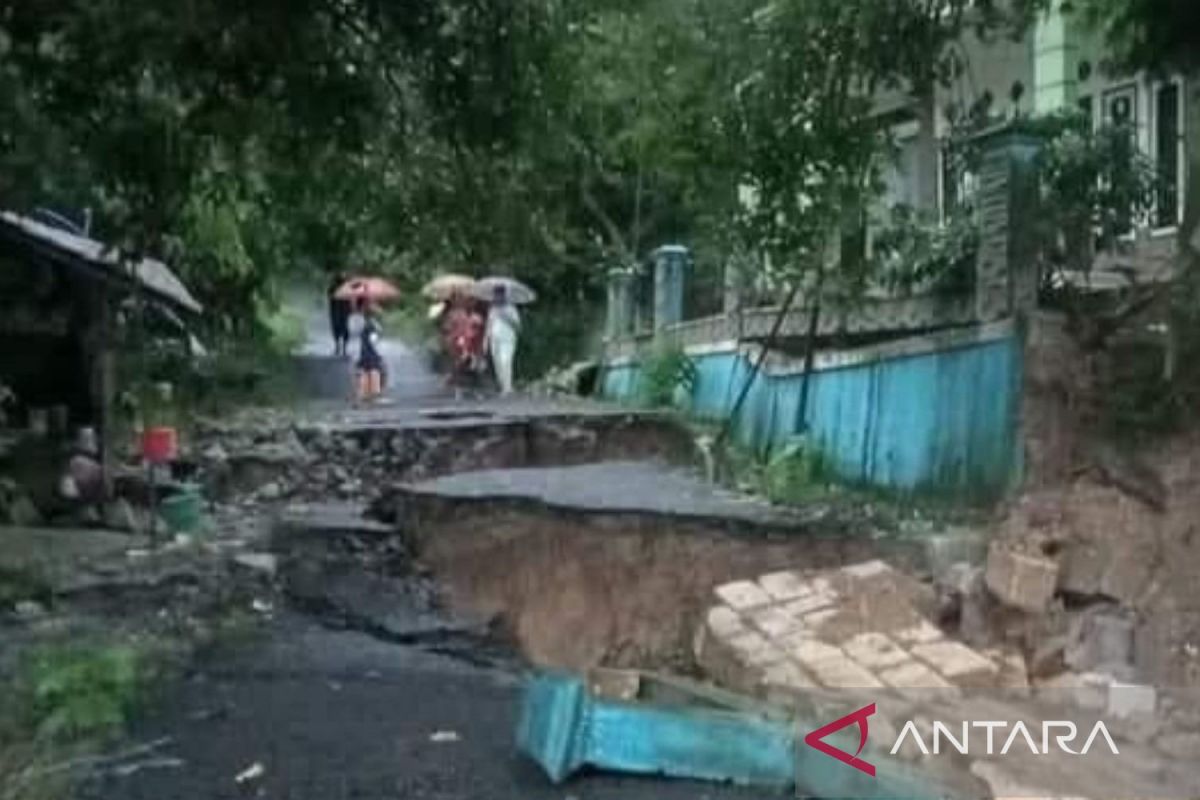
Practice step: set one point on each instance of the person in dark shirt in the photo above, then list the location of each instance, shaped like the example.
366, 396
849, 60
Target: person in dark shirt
370, 358
339, 317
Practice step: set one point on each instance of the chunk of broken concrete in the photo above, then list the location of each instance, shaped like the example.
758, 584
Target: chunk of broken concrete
264, 564
1099, 637
1021, 580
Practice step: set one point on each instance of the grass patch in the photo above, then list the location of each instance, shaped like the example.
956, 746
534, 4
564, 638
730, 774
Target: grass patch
66, 700
70, 692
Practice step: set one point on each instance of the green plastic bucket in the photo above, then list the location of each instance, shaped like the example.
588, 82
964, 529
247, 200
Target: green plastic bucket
183, 512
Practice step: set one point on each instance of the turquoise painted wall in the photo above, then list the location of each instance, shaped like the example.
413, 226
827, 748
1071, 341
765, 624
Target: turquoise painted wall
944, 422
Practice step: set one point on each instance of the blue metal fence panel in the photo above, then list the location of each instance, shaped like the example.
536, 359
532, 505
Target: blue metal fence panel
942, 420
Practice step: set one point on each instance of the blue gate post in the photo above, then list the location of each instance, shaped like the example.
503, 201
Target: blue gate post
671, 263
619, 322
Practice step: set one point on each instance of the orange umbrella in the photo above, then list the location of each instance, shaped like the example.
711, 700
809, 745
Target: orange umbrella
369, 289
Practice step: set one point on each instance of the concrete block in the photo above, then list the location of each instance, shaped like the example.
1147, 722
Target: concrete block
785, 585
775, 622
743, 595
756, 650
1084, 689
866, 570
808, 651
914, 675
724, 621
1020, 580
959, 663
787, 675
815, 619
844, 673
875, 651
922, 633
811, 602
1099, 638
1126, 700
955, 546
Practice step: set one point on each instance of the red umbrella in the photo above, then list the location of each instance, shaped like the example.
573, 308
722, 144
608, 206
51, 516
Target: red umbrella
369, 289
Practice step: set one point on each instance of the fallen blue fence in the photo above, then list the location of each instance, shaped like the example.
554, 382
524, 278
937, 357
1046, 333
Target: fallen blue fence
943, 421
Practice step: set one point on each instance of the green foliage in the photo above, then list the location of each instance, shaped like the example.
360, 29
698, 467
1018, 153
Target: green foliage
914, 252
665, 373
77, 691
801, 133
795, 473
1096, 187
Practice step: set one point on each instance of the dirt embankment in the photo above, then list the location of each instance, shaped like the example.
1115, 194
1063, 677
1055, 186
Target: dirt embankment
579, 590
1124, 522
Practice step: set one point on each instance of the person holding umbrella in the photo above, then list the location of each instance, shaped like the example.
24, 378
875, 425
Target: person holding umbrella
504, 325
339, 316
365, 294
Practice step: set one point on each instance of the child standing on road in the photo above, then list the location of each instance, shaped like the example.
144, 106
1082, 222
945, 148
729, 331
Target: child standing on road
370, 358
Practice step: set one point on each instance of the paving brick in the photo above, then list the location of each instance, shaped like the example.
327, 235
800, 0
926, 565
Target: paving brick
815, 619
775, 622
787, 675
922, 633
913, 675
867, 569
962, 665
786, 585
875, 651
1020, 580
820, 585
843, 673
756, 649
812, 602
724, 621
743, 595
809, 651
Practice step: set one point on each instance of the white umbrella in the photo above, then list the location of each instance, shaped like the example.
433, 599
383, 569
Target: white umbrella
517, 292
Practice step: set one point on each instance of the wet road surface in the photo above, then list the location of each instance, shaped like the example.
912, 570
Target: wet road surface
334, 715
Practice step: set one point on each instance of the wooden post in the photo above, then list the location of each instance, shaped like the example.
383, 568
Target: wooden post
102, 368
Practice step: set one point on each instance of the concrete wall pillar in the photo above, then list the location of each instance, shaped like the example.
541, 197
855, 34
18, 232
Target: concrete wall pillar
619, 319
1006, 278
671, 263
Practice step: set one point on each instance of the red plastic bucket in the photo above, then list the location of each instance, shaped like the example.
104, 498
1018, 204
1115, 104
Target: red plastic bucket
160, 445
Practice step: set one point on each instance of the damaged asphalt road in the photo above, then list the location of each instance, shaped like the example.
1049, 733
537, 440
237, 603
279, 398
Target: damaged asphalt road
334, 715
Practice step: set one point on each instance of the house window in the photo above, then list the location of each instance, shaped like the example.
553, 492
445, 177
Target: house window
1120, 107
956, 183
1168, 140
900, 176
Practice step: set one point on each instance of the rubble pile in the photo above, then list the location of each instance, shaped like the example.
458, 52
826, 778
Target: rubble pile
980, 635
353, 462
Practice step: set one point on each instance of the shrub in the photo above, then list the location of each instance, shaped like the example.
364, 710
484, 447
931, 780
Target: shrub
795, 471
664, 373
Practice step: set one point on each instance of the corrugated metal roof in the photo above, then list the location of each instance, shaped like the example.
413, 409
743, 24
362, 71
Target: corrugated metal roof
152, 274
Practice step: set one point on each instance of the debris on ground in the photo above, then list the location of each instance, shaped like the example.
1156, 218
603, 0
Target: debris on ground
444, 737
250, 773
784, 635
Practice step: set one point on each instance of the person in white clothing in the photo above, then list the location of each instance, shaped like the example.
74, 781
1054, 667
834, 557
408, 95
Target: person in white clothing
503, 325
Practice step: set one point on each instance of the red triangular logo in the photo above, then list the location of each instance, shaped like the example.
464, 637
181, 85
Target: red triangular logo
814, 739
